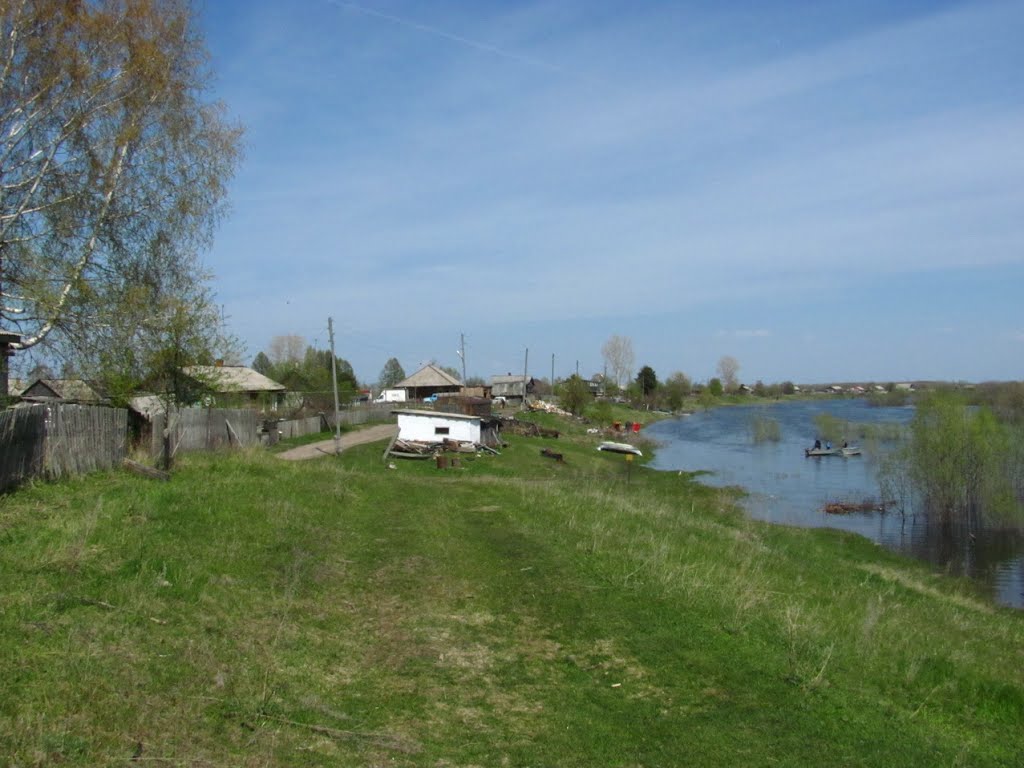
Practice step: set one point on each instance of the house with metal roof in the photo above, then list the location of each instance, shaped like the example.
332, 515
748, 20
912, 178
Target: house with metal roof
429, 381
512, 386
237, 385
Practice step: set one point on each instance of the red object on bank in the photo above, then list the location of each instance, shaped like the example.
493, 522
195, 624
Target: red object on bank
636, 426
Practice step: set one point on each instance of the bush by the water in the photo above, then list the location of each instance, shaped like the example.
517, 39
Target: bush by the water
961, 463
764, 429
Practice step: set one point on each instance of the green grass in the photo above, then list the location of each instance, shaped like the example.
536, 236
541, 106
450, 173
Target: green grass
514, 611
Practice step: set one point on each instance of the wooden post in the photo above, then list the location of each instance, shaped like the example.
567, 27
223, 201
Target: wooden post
334, 386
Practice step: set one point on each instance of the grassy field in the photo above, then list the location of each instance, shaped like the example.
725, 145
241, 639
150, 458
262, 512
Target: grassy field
513, 611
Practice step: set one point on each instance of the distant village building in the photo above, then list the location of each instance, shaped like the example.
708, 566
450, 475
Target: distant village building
513, 387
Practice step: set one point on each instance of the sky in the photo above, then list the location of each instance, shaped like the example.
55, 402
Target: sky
825, 191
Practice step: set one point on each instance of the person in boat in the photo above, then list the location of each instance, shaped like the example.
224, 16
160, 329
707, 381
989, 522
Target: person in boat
845, 444
817, 445
828, 446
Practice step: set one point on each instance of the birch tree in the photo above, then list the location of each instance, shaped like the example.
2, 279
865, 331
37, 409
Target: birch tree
113, 169
728, 368
618, 354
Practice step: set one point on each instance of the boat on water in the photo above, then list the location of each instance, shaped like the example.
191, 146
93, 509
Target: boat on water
850, 450
821, 451
619, 448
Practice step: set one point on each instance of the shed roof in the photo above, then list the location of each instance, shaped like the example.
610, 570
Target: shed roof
147, 405
437, 414
234, 378
511, 378
429, 376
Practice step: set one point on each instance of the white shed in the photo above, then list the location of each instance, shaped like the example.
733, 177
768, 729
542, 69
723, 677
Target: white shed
433, 427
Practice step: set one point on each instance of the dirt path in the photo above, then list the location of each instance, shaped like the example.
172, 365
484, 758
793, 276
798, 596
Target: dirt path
313, 450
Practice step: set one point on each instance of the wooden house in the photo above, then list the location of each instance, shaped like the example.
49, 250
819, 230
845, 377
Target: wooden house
513, 387
428, 382
237, 386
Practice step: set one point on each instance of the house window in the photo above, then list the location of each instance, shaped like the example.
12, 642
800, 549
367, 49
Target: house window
440, 430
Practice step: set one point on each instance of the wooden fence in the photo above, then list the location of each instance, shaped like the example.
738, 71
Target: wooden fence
60, 439
365, 414
207, 429
300, 427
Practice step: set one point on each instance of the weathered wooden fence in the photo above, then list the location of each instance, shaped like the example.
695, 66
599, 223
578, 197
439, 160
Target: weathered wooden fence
300, 427
207, 429
325, 422
59, 439
366, 414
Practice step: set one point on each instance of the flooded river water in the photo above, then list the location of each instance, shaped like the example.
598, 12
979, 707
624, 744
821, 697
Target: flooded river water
788, 488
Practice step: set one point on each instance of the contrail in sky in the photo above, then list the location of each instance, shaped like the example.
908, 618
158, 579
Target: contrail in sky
465, 41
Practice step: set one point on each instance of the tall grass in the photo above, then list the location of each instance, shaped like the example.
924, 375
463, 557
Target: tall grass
871, 435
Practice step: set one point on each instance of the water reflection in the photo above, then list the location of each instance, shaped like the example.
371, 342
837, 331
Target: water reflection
787, 488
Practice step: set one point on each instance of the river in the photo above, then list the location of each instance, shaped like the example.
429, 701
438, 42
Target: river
788, 488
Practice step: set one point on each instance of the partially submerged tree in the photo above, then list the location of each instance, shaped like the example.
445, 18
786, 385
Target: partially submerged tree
618, 354
113, 172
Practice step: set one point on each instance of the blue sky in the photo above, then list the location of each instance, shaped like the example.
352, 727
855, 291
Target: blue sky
823, 190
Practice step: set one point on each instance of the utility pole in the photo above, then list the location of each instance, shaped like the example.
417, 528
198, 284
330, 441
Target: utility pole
462, 354
552, 373
334, 383
577, 369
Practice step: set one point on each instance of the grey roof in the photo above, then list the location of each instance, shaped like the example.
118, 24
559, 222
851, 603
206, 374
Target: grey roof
233, 378
62, 389
509, 379
429, 376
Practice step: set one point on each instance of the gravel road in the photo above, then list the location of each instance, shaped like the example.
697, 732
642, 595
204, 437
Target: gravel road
359, 437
